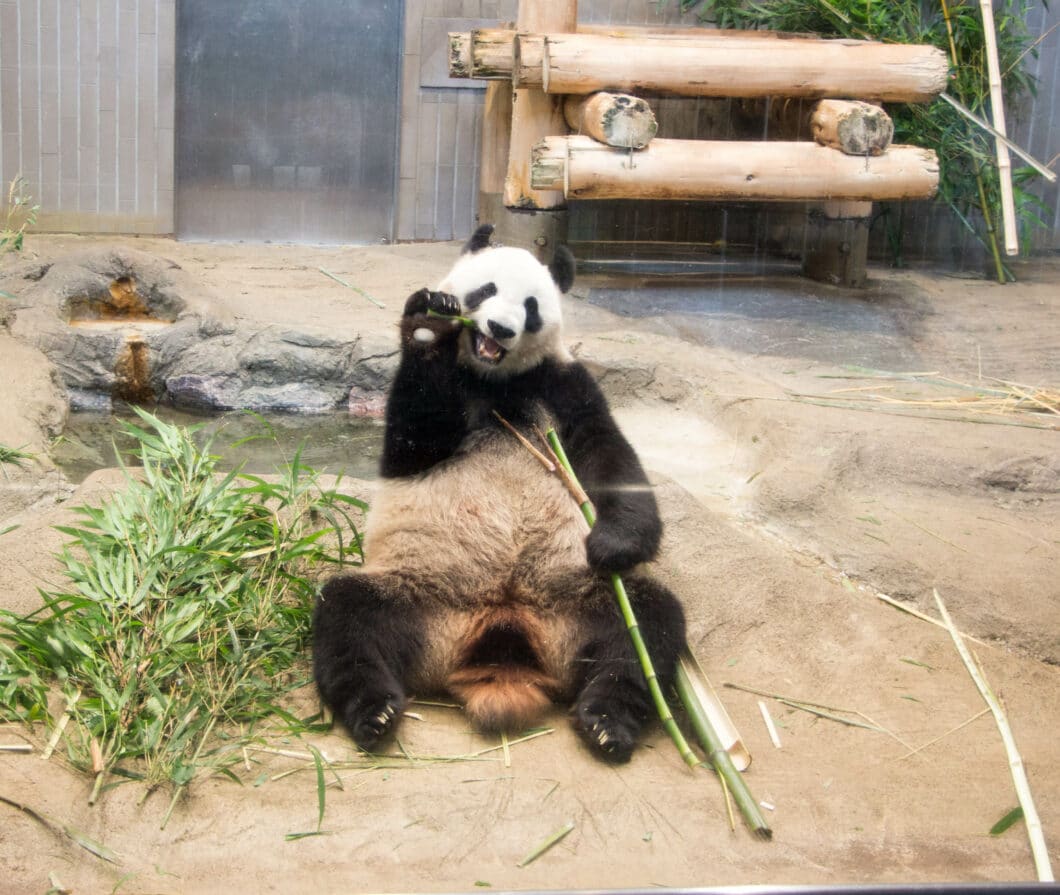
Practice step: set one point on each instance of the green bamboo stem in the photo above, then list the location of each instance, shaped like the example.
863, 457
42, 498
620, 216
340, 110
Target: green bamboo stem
719, 756
665, 715
463, 321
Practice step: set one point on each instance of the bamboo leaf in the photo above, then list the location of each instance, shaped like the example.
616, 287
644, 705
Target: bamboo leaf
318, 760
548, 843
1007, 821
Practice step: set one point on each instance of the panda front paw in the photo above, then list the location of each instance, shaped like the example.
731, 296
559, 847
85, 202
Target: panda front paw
371, 719
613, 549
425, 301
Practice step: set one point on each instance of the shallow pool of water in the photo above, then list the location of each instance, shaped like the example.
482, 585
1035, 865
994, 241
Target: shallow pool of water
260, 444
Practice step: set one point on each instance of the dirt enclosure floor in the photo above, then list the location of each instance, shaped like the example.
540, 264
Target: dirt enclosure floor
799, 478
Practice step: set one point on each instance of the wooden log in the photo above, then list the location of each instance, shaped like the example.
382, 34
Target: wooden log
614, 119
731, 170
730, 67
535, 114
487, 53
850, 126
496, 136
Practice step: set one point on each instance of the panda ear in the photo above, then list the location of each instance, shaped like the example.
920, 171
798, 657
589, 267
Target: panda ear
562, 268
480, 239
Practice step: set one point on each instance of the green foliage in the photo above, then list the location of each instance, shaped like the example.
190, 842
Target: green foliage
19, 215
14, 456
968, 176
185, 613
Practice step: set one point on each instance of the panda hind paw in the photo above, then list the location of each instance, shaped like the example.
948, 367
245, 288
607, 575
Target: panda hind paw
610, 736
370, 721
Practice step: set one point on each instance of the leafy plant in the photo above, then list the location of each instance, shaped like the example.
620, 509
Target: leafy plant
19, 215
14, 456
968, 175
185, 614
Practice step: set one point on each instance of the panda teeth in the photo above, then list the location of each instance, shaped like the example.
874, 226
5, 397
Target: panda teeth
487, 349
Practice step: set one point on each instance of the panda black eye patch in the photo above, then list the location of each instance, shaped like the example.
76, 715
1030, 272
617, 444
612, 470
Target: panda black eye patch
477, 296
533, 316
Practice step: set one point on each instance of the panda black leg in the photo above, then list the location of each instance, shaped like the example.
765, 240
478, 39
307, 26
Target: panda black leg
613, 701
364, 642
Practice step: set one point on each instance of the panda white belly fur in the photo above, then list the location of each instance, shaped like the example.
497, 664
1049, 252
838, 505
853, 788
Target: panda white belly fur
488, 534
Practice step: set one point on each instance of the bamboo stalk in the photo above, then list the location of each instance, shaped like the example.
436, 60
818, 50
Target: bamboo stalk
356, 289
1019, 773
730, 777
1038, 166
997, 110
719, 757
658, 698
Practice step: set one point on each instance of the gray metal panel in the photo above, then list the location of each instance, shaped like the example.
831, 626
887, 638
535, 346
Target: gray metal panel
287, 120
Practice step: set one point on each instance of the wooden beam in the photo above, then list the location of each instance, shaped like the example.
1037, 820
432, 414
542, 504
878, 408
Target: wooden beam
614, 119
496, 135
731, 170
487, 53
729, 66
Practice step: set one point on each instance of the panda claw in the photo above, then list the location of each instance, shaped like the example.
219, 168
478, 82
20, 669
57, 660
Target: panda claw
606, 735
373, 723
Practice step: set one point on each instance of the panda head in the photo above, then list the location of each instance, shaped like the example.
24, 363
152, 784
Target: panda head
514, 301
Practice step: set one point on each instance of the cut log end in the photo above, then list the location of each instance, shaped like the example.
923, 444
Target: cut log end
618, 120
459, 54
855, 128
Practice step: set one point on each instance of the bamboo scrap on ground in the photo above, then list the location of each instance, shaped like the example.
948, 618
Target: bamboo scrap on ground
999, 398
733, 170
1019, 773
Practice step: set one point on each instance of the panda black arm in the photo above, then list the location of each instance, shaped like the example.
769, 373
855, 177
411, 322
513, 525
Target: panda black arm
425, 418
628, 529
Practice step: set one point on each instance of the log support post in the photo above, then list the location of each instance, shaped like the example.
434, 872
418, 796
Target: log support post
530, 218
837, 243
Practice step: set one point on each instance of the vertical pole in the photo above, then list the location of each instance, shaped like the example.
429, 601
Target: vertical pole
536, 219
997, 110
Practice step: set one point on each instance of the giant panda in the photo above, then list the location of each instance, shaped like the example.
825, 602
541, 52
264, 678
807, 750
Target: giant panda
481, 577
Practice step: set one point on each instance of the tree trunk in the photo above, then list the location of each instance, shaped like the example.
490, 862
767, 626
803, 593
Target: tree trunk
730, 170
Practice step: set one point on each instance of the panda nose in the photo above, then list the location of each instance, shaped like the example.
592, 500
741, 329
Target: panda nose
499, 331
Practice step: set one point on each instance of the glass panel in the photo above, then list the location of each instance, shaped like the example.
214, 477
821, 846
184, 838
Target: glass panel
287, 120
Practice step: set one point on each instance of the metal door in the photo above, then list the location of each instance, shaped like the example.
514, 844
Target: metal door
287, 120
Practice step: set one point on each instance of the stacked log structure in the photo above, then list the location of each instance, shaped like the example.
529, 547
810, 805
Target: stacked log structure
581, 129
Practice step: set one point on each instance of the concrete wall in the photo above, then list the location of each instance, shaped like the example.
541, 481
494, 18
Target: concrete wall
86, 111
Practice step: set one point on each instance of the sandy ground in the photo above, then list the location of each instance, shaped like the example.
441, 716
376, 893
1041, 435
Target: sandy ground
786, 518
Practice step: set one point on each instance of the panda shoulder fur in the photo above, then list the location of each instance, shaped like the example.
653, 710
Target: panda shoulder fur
481, 578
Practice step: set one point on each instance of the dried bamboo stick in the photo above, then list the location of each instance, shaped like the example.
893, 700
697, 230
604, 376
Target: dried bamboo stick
997, 110
1019, 773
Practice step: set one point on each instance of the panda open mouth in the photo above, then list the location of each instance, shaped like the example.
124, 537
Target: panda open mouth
486, 349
